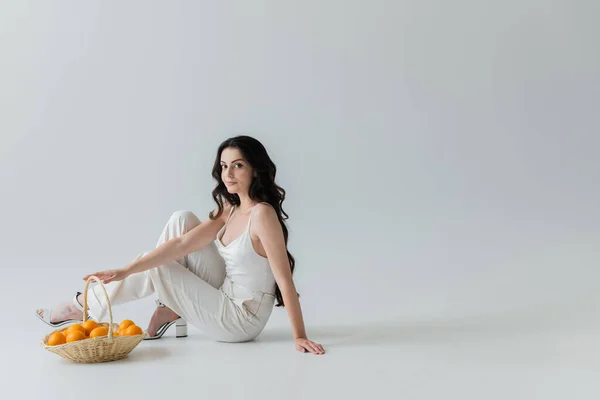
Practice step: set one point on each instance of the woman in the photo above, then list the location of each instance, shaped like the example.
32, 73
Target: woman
223, 275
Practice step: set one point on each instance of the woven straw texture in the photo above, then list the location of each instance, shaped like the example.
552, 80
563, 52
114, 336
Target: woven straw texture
98, 349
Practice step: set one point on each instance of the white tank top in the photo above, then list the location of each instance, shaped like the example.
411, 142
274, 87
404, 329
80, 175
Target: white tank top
243, 265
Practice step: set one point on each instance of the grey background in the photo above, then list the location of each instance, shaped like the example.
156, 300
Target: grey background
440, 158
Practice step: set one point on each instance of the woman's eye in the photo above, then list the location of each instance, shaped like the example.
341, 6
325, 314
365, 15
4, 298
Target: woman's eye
239, 165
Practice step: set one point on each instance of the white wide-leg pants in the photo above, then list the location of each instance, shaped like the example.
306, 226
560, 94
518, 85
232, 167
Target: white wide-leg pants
195, 287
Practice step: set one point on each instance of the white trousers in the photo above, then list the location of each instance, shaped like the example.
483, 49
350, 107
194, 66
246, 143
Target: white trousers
195, 287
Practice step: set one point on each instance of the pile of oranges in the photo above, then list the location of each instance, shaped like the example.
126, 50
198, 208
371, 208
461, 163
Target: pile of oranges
91, 329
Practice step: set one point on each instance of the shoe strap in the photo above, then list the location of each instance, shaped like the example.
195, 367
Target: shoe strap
79, 306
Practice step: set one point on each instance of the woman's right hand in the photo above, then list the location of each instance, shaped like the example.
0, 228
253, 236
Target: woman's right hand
111, 275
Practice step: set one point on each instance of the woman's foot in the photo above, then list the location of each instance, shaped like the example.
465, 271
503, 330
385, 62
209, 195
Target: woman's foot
63, 312
161, 316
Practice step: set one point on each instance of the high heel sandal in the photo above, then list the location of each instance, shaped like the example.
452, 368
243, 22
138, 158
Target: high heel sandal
180, 327
47, 313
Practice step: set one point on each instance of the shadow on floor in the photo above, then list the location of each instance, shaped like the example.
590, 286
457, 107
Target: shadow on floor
146, 353
479, 327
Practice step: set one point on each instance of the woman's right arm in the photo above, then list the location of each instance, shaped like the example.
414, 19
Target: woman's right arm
173, 249
179, 246
200, 236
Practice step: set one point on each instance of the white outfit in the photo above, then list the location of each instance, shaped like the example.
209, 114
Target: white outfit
228, 292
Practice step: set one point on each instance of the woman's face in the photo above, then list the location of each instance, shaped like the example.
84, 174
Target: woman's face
236, 172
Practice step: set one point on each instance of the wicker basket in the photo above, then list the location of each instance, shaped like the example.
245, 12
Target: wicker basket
98, 349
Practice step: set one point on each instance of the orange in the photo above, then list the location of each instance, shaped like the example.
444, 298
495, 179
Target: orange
89, 326
125, 324
75, 335
75, 327
115, 333
56, 338
133, 330
99, 331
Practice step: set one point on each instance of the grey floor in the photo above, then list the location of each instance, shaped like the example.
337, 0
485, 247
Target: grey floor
441, 165
544, 353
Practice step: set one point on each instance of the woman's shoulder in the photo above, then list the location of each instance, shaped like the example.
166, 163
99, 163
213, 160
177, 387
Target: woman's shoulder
265, 212
265, 220
264, 207
227, 206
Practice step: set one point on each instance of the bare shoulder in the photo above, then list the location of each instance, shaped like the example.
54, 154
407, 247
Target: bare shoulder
265, 216
265, 210
268, 228
226, 210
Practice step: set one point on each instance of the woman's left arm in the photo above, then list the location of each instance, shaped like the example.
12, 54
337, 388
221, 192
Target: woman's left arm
267, 227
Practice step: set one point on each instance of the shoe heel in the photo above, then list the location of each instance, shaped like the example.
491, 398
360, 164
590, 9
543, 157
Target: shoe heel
181, 328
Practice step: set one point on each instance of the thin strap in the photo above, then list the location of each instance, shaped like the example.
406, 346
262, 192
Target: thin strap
262, 202
221, 232
230, 214
250, 218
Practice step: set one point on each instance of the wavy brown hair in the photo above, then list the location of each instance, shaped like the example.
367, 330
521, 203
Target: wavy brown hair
262, 189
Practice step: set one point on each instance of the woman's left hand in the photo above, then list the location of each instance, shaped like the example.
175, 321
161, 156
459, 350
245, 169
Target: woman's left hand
303, 345
110, 275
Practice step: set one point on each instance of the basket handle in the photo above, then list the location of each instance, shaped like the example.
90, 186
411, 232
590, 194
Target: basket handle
85, 307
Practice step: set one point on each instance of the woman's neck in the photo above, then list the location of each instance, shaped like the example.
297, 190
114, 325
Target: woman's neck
246, 203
